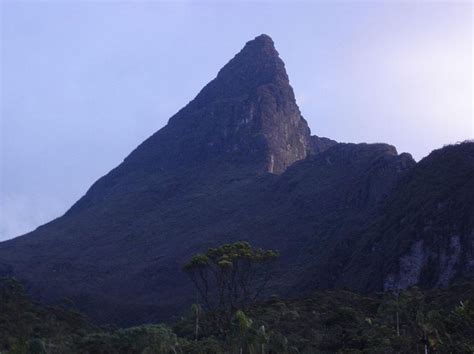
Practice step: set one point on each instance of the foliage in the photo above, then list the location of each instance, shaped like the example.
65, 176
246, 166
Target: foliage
231, 276
24, 325
144, 339
333, 321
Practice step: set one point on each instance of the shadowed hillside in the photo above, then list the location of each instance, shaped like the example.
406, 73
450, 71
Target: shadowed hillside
238, 163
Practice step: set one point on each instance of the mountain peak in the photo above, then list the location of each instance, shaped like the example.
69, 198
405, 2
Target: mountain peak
262, 43
261, 46
263, 38
258, 63
246, 116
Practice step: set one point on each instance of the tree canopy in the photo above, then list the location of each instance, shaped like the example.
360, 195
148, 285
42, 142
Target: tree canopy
230, 276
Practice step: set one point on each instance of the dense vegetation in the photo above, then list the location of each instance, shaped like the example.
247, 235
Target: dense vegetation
229, 277
325, 322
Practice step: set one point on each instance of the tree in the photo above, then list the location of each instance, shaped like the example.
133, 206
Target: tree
241, 325
230, 276
460, 325
196, 309
412, 320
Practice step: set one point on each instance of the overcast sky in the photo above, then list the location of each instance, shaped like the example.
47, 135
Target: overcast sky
83, 83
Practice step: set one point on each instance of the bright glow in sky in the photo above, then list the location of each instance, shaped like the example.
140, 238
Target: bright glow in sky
83, 83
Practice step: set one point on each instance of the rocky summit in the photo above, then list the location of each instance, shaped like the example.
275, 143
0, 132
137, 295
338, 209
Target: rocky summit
246, 116
238, 163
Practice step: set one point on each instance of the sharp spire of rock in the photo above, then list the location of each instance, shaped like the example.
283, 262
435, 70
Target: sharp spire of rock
246, 115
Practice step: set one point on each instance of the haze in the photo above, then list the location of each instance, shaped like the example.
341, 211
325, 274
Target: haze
83, 83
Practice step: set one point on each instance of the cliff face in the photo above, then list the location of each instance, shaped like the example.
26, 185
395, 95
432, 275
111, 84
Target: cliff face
425, 233
238, 163
245, 119
247, 115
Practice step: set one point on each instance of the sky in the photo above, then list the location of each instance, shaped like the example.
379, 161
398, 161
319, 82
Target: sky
82, 83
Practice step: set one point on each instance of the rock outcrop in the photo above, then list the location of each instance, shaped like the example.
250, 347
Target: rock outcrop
424, 234
238, 163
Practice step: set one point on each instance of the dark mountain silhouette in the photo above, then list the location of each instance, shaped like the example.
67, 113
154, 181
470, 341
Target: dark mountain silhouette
239, 163
425, 233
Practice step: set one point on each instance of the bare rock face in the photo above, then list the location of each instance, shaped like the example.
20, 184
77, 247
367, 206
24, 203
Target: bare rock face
424, 234
247, 115
246, 120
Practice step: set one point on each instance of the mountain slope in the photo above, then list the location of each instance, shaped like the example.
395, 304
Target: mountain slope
124, 256
122, 245
246, 117
237, 163
425, 234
